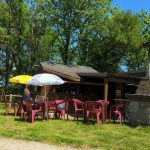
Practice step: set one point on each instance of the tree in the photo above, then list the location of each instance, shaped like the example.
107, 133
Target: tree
123, 35
6, 42
145, 19
92, 29
137, 58
23, 38
38, 35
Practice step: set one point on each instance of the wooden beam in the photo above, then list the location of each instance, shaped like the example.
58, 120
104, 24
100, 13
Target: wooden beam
123, 80
88, 83
105, 89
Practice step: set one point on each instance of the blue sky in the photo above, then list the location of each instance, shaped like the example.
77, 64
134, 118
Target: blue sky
134, 5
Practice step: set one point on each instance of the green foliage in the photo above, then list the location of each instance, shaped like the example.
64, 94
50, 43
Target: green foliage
122, 35
136, 60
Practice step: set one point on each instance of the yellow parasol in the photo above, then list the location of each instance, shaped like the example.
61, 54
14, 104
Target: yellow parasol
22, 79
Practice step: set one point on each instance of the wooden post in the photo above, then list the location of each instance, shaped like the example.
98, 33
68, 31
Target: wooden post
105, 89
10, 98
45, 92
8, 104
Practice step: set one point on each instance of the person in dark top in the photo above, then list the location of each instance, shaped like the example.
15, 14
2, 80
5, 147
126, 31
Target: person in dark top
26, 95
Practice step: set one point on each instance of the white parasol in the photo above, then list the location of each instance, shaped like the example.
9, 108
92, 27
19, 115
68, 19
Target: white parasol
45, 79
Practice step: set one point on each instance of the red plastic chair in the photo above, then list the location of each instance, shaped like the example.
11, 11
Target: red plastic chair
117, 110
58, 101
78, 106
51, 108
104, 104
62, 108
93, 107
32, 109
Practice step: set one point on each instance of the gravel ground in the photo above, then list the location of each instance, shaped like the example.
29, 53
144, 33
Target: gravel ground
10, 144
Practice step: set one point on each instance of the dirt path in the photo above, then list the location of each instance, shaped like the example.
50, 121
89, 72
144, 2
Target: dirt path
9, 144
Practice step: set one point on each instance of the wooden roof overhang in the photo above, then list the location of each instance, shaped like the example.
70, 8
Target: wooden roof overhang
118, 78
67, 72
123, 79
64, 76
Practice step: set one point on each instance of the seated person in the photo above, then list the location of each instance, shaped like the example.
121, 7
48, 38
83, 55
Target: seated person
26, 95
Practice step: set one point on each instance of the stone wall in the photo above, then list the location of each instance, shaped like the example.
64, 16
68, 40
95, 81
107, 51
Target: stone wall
139, 105
139, 110
144, 87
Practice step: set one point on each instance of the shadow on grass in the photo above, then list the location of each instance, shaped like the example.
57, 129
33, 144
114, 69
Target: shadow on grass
90, 122
18, 119
8, 114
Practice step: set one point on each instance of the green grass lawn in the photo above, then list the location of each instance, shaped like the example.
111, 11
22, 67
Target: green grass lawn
76, 134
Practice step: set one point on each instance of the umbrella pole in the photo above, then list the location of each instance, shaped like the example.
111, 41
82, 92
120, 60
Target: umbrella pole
45, 92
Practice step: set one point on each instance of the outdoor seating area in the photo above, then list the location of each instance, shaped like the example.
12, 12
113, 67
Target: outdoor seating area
98, 111
88, 95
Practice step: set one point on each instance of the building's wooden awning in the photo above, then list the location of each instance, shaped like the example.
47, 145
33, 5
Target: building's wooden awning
68, 72
119, 78
87, 74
